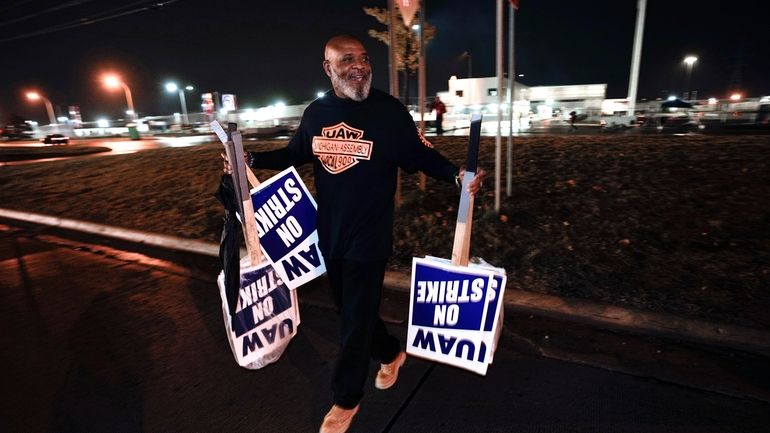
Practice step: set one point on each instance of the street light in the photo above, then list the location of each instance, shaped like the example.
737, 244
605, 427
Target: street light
35, 96
467, 55
171, 87
112, 81
689, 61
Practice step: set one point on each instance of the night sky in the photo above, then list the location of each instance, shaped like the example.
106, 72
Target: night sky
268, 51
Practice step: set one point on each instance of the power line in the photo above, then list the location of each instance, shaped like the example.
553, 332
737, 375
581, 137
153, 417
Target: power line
93, 19
43, 12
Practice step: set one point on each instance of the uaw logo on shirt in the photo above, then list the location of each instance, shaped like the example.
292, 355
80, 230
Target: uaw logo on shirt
340, 147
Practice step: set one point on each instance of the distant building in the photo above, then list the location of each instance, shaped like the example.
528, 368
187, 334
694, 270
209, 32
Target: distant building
468, 95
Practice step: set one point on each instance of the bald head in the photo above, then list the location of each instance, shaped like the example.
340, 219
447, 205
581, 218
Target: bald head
346, 63
339, 43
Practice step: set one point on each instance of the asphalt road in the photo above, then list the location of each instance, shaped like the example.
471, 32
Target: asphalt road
116, 146
102, 336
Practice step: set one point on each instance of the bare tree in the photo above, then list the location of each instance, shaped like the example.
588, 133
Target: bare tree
407, 43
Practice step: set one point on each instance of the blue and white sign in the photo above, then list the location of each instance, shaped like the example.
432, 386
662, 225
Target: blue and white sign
286, 217
266, 316
450, 311
493, 322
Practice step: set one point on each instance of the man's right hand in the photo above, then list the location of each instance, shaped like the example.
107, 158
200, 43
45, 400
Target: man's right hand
226, 164
226, 167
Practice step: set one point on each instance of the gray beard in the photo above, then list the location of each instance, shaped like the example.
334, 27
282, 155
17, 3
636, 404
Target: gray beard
354, 93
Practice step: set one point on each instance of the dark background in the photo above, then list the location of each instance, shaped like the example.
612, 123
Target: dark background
269, 51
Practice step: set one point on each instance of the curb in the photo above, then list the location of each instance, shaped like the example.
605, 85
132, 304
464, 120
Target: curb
153, 239
624, 319
575, 310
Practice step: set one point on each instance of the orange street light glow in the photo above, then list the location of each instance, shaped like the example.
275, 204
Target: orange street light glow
36, 96
112, 81
736, 96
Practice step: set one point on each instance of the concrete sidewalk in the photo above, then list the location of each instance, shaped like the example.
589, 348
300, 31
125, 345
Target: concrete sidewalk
576, 310
107, 339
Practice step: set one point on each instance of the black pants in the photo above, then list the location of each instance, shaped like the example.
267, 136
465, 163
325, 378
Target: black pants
357, 288
439, 125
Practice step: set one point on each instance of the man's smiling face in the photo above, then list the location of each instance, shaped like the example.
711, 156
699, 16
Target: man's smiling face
347, 64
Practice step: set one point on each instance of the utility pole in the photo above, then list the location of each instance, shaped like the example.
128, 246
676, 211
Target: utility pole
421, 81
394, 80
498, 138
636, 57
511, 99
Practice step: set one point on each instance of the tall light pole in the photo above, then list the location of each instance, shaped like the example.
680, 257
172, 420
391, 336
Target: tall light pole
689, 61
498, 138
636, 57
421, 80
113, 82
171, 87
467, 55
511, 97
35, 96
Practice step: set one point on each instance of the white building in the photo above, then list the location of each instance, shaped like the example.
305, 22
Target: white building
467, 95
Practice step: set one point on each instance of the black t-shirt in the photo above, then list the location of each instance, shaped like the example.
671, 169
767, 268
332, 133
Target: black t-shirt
356, 148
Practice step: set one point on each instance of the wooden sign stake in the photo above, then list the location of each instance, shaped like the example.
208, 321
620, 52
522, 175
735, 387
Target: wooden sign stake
462, 242
249, 222
234, 149
223, 137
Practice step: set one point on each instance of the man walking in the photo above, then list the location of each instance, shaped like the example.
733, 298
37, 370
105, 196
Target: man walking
357, 137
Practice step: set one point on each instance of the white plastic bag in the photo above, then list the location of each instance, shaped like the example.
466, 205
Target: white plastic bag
266, 316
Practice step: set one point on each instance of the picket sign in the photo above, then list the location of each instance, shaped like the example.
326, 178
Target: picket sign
455, 309
286, 216
282, 216
493, 318
266, 315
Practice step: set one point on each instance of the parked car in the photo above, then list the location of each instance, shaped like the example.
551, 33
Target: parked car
19, 130
56, 139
